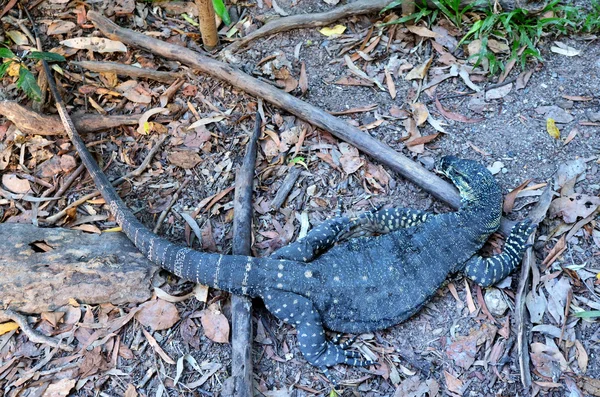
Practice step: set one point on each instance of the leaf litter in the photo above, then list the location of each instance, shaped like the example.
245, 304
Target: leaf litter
188, 141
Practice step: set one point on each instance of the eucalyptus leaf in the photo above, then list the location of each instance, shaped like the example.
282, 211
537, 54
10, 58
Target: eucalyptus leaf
46, 56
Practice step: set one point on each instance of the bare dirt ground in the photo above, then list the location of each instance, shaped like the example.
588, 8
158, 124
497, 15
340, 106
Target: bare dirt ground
452, 347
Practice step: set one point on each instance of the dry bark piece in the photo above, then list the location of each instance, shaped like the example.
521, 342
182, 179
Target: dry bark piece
89, 268
31, 122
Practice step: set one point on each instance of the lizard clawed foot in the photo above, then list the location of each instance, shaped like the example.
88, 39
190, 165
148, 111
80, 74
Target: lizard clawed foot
334, 353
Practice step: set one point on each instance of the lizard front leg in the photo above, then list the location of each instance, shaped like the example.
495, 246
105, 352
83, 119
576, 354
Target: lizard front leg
317, 241
488, 271
317, 350
384, 221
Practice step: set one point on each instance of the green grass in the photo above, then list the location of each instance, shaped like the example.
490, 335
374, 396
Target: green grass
520, 30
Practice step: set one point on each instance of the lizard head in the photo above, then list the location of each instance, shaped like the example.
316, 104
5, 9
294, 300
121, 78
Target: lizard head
474, 182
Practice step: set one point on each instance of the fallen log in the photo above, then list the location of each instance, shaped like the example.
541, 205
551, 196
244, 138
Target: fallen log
43, 269
31, 122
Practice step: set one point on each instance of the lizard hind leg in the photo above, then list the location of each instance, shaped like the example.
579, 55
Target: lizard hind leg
317, 350
488, 271
317, 241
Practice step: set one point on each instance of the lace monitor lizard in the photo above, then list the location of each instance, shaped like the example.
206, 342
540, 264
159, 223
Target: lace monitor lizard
342, 276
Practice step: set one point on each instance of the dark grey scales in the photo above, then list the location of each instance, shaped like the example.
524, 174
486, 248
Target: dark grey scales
341, 276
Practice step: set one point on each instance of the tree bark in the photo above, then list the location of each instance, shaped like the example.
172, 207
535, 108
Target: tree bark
31, 122
208, 25
89, 268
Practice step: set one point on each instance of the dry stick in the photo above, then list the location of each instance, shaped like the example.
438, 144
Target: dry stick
378, 150
31, 122
128, 70
537, 214
241, 306
68, 182
360, 7
138, 171
285, 188
174, 199
32, 334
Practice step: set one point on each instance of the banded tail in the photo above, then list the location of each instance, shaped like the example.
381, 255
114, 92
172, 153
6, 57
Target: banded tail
237, 274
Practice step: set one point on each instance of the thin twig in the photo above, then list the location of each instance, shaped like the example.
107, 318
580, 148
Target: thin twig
128, 70
174, 199
32, 334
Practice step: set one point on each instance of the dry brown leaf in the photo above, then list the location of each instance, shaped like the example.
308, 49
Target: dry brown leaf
215, 324
130, 391
574, 206
60, 27
582, 356
422, 140
350, 159
572, 134
498, 93
420, 112
157, 347
420, 71
558, 249
454, 385
158, 314
303, 82
88, 228
53, 317
16, 184
67, 162
413, 131
455, 116
184, 158
498, 47
61, 388
509, 200
348, 80
421, 31
144, 125
389, 81
577, 98
470, 302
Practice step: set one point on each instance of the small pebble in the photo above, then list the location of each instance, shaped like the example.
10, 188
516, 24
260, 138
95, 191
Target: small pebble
495, 301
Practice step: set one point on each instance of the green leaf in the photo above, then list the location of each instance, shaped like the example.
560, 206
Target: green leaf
393, 4
4, 68
221, 11
590, 314
27, 83
46, 56
6, 53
